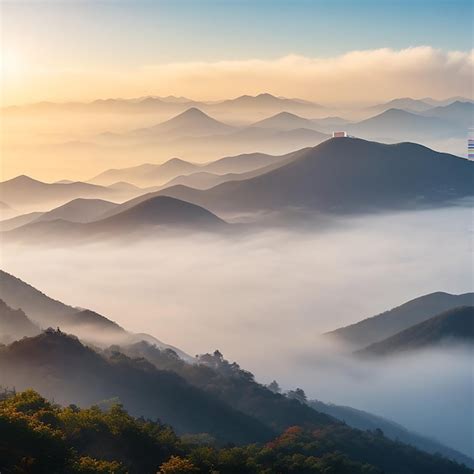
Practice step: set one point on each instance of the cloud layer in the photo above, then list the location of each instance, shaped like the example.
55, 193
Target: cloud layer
357, 76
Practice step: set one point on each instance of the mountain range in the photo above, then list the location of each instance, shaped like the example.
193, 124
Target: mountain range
339, 176
209, 395
365, 421
44, 312
143, 218
415, 105
404, 103
256, 106
345, 175
389, 323
28, 194
159, 174
15, 324
401, 125
178, 392
195, 130
455, 326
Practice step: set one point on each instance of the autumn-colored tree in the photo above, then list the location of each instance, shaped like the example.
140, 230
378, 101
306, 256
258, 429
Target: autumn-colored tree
177, 465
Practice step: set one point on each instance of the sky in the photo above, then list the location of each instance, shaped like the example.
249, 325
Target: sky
81, 50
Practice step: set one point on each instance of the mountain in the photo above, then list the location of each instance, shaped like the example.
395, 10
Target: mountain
14, 324
18, 221
238, 140
6, 211
400, 125
364, 421
406, 103
190, 123
78, 210
142, 105
345, 175
330, 124
155, 174
237, 387
455, 326
261, 139
151, 214
243, 163
206, 180
442, 102
300, 137
389, 323
202, 180
263, 105
459, 113
48, 312
232, 385
285, 121
157, 211
122, 185
63, 368
86, 324
109, 439
70, 373
147, 174
24, 192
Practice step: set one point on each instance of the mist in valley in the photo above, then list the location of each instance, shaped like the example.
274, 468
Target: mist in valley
264, 299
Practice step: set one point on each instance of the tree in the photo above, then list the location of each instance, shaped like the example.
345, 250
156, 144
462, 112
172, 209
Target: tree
88, 465
297, 394
274, 387
177, 465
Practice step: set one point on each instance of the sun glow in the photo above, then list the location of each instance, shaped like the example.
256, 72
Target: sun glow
11, 63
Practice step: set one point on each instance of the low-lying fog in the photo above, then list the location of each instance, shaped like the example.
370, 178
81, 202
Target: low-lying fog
264, 299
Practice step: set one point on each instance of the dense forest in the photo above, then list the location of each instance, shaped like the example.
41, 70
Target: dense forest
37, 436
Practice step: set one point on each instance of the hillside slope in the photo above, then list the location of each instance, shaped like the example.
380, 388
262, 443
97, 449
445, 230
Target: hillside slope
455, 326
390, 322
345, 175
48, 312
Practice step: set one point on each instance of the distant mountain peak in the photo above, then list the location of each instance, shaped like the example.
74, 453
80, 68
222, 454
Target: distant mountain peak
265, 95
175, 160
454, 326
192, 121
159, 210
285, 114
193, 112
23, 178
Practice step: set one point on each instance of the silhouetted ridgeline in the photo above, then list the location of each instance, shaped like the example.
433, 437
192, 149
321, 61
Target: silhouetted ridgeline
209, 396
71, 440
455, 326
363, 420
388, 323
142, 446
87, 324
346, 175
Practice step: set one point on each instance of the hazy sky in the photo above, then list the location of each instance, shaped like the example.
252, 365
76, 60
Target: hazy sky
72, 49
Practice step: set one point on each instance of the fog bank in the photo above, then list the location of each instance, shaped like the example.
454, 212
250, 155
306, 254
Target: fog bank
264, 299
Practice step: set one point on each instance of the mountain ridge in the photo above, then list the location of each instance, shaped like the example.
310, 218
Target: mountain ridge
390, 322
451, 327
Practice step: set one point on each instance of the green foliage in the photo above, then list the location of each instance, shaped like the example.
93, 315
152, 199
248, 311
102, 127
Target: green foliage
88, 465
38, 437
229, 383
30, 440
177, 465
